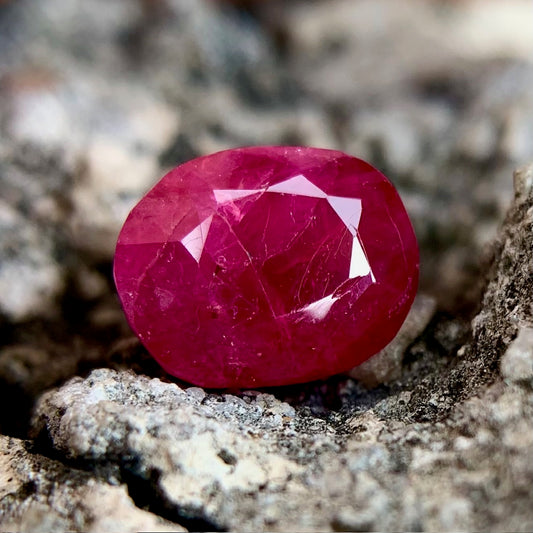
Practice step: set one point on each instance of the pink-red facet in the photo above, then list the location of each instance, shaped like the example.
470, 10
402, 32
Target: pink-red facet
267, 266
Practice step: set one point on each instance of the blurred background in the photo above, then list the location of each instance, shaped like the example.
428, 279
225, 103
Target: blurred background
98, 98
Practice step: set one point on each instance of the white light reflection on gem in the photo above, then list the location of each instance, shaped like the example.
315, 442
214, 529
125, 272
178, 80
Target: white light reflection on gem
319, 309
224, 196
348, 209
195, 240
298, 185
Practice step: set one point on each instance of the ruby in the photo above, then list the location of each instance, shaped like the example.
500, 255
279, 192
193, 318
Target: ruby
267, 266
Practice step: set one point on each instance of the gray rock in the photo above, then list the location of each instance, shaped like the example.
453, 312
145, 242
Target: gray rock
40, 494
126, 93
113, 148
447, 127
325, 37
517, 362
97, 99
30, 278
33, 208
386, 366
252, 461
198, 445
506, 305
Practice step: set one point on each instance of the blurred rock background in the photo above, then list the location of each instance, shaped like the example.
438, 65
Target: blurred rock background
99, 98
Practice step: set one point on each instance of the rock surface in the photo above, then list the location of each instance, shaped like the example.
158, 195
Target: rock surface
40, 494
252, 461
98, 99
386, 366
81, 144
517, 362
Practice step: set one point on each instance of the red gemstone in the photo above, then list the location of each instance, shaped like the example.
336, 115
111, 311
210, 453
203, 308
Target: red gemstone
267, 266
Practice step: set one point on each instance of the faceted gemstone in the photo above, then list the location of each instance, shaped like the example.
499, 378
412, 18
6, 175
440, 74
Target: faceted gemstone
267, 266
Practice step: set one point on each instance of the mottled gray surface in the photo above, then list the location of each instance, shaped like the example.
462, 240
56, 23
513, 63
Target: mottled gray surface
98, 99
252, 461
386, 366
40, 494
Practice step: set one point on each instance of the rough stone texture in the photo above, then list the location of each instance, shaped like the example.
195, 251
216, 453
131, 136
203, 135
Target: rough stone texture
91, 89
386, 366
517, 362
440, 121
117, 98
507, 305
40, 494
253, 461
27, 263
31, 211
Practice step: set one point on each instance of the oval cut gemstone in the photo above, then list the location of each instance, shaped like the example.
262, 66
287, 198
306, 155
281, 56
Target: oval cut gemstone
267, 266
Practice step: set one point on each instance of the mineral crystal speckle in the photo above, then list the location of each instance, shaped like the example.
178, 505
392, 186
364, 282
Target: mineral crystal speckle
267, 266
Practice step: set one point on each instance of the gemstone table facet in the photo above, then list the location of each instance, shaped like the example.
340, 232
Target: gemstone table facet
267, 266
